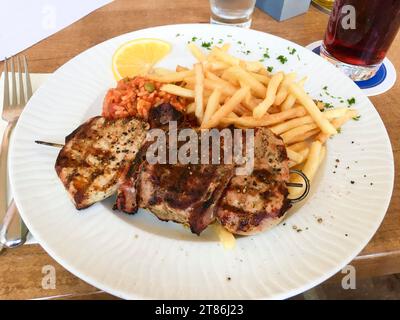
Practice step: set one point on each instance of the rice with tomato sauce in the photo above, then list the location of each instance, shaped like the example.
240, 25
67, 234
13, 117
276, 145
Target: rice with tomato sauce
135, 97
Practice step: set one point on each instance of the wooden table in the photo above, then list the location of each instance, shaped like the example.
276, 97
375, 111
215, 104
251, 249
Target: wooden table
21, 269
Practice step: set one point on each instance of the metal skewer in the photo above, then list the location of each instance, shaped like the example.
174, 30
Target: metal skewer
51, 144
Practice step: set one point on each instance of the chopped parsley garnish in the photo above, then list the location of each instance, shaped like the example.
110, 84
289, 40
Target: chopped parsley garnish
339, 130
269, 69
239, 42
247, 52
292, 51
266, 55
357, 118
327, 105
220, 41
194, 39
206, 45
298, 57
282, 59
351, 101
325, 88
177, 35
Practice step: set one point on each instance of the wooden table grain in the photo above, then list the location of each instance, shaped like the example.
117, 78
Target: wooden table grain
21, 270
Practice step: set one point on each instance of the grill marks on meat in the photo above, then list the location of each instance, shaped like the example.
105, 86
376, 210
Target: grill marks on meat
256, 202
95, 155
183, 193
102, 156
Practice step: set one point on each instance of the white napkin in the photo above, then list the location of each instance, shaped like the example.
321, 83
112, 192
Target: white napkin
26, 22
37, 79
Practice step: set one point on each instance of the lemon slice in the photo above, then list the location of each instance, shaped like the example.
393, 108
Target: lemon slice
138, 56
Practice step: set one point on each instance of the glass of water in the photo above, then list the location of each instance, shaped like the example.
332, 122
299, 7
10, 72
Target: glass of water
232, 12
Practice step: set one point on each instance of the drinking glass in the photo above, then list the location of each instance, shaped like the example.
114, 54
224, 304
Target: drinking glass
232, 12
359, 35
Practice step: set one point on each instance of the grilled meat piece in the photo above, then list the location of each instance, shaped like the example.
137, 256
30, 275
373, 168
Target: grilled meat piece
95, 156
186, 194
256, 202
159, 117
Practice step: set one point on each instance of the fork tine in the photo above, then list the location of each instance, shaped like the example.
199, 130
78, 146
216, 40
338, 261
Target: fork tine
27, 79
13, 84
6, 96
21, 84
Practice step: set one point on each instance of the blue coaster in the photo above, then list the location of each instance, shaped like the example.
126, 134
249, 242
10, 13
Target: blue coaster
383, 80
377, 79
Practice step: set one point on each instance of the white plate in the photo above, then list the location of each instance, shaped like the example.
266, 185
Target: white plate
140, 257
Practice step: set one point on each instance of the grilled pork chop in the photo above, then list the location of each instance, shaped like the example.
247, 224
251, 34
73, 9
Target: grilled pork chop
159, 117
256, 202
95, 156
182, 193
186, 194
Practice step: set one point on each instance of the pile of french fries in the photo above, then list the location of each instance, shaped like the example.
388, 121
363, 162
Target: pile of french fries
229, 91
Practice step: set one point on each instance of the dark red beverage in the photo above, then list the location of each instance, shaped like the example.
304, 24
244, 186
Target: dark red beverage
365, 40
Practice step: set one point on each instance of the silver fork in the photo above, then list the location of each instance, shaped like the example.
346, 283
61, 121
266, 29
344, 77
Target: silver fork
13, 231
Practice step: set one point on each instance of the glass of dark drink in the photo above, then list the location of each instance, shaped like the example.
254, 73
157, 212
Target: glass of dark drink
359, 34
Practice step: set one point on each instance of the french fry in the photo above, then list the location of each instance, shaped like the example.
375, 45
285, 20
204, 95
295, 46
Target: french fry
312, 109
230, 77
216, 65
304, 153
337, 123
196, 52
252, 66
294, 156
211, 85
172, 77
291, 99
190, 86
306, 135
270, 119
336, 113
291, 135
181, 68
225, 57
240, 110
212, 105
212, 76
249, 102
299, 146
264, 72
263, 107
283, 92
160, 71
261, 78
227, 90
310, 167
285, 126
227, 108
177, 90
257, 87
198, 90
191, 107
